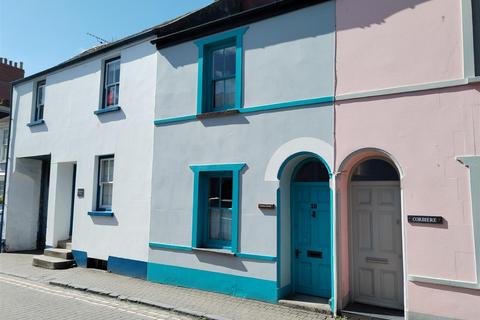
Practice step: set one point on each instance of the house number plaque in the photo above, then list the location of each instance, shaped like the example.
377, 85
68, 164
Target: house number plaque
80, 192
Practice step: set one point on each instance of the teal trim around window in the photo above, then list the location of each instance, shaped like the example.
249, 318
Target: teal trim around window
107, 110
239, 286
204, 46
316, 102
100, 213
199, 193
255, 257
156, 245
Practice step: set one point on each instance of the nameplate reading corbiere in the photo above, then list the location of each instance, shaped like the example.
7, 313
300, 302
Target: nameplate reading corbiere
425, 219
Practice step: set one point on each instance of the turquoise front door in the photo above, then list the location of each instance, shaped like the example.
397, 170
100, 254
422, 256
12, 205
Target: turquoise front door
311, 238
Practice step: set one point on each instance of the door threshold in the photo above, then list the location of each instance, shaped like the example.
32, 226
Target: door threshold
306, 302
360, 311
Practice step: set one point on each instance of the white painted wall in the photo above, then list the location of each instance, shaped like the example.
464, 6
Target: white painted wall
72, 133
21, 221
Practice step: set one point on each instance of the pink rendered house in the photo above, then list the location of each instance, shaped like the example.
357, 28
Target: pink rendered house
407, 94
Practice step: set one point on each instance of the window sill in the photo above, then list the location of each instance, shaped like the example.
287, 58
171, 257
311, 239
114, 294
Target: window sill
36, 123
217, 114
217, 251
100, 213
107, 110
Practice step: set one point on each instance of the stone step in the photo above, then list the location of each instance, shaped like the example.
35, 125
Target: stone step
308, 303
58, 253
65, 244
52, 262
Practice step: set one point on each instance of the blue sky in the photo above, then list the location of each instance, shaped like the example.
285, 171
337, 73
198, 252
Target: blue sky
43, 33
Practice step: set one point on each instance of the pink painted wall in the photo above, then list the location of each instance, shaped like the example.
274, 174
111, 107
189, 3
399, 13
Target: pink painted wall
423, 132
390, 43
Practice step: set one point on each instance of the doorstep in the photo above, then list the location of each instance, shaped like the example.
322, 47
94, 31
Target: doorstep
360, 311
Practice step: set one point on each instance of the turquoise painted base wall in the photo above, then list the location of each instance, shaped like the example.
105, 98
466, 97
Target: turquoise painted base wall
238, 286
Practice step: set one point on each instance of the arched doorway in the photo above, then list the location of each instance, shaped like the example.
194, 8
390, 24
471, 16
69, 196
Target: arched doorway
311, 229
376, 234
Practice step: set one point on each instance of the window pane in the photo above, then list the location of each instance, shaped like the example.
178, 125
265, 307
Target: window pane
219, 94
229, 98
104, 171
110, 73
117, 71
214, 219
218, 63
110, 100
226, 224
226, 193
214, 193
40, 112
40, 94
230, 61
107, 194
117, 89
110, 170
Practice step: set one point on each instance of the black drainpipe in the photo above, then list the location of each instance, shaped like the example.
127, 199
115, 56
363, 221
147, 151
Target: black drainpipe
2, 241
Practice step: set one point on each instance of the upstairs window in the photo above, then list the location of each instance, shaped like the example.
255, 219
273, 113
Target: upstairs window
111, 83
40, 101
222, 77
220, 71
105, 183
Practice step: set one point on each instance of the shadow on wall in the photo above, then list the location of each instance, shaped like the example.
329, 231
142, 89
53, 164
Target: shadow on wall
365, 13
296, 25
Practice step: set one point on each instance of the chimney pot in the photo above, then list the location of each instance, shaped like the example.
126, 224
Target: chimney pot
9, 62
21, 64
15, 64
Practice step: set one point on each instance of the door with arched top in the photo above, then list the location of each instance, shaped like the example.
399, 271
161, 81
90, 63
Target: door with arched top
311, 230
376, 235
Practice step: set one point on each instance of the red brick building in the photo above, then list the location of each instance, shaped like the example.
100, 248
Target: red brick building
9, 71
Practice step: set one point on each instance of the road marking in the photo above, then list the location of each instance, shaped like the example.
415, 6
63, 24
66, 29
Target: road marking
101, 302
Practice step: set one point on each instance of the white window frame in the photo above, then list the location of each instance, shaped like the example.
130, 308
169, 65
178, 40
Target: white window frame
109, 181
106, 85
39, 104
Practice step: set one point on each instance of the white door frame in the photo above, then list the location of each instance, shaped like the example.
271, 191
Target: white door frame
351, 258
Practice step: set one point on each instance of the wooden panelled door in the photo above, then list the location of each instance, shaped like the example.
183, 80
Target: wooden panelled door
377, 243
312, 238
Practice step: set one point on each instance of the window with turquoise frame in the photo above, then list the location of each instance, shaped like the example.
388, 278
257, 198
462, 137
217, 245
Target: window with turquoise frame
216, 206
220, 71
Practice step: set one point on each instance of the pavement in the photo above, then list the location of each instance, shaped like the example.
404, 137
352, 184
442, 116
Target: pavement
176, 300
22, 299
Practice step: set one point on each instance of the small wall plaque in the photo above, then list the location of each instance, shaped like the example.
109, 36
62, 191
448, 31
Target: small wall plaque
266, 206
80, 192
425, 219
